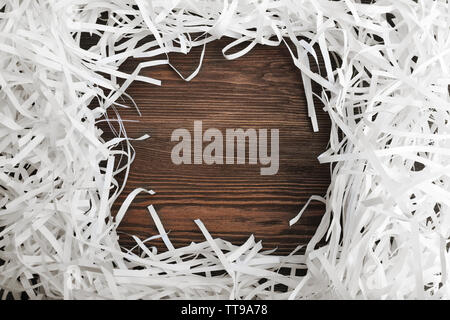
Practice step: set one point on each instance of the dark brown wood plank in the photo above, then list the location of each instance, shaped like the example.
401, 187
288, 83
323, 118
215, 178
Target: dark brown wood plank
260, 90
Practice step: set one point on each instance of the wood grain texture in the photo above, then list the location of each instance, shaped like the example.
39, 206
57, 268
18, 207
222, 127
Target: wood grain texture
260, 90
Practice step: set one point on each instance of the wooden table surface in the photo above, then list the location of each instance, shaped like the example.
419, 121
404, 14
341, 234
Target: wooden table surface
262, 89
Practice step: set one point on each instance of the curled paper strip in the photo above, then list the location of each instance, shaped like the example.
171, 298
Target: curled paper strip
385, 232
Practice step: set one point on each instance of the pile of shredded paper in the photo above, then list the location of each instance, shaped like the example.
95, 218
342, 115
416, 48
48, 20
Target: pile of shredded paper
385, 87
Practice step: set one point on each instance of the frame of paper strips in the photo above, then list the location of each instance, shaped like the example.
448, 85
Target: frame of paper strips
387, 222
